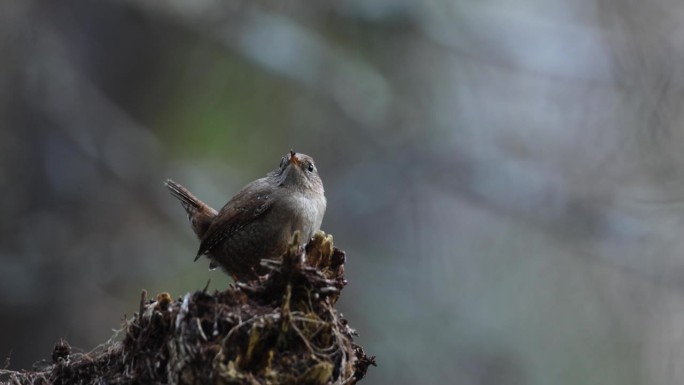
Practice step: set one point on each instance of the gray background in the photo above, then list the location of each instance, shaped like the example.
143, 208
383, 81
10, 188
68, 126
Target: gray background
506, 177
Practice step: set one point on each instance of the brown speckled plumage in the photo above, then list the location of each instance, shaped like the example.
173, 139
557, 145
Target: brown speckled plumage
260, 219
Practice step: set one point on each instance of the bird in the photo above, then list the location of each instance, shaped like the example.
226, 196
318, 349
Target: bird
259, 221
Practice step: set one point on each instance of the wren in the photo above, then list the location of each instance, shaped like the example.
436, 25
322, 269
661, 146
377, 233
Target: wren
258, 222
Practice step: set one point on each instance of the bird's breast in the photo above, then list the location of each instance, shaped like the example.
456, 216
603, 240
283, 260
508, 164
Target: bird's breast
305, 213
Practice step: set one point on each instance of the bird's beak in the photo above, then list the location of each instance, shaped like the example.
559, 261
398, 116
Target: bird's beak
293, 158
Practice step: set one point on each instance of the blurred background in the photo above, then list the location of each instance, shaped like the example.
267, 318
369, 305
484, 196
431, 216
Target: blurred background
507, 178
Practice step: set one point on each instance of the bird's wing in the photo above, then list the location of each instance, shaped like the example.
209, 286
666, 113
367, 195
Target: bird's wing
253, 201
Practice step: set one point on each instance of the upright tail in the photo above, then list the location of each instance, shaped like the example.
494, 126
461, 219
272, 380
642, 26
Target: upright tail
199, 213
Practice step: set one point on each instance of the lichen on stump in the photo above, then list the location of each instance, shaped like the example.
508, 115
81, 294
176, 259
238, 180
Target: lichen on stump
280, 329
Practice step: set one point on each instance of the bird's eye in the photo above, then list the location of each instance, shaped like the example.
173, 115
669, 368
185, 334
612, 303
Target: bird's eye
310, 167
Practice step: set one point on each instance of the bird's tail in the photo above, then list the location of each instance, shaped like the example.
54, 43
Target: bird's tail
199, 213
189, 201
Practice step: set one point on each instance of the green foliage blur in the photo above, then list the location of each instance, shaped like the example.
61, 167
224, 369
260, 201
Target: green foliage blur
506, 178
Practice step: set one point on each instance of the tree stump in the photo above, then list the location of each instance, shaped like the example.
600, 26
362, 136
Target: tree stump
280, 329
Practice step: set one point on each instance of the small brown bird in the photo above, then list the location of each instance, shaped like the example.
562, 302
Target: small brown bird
259, 221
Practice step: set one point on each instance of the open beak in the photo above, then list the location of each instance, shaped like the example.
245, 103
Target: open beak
293, 158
